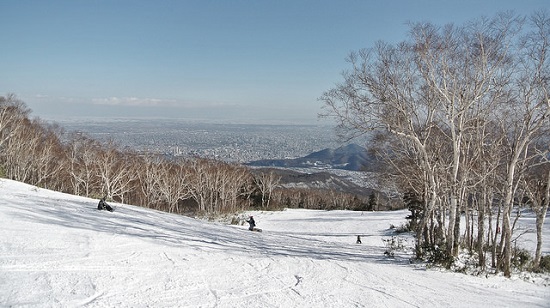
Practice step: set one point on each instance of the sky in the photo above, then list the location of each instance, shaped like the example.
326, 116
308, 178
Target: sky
250, 61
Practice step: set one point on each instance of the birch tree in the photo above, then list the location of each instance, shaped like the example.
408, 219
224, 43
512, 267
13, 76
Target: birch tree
447, 96
462, 67
113, 168
525, 113
266, 182
12, 113
173, 184
384, 91
149, 176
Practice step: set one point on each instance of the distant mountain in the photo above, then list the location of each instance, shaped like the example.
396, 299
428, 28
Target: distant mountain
350, 157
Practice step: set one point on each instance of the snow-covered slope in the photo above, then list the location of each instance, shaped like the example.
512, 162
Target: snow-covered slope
57, 250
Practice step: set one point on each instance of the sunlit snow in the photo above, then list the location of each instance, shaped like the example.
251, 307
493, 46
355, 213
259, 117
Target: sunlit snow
58, 250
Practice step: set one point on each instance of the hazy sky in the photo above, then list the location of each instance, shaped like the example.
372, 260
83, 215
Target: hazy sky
235, 60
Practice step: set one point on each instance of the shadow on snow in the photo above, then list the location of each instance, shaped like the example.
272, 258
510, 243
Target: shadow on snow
176, 230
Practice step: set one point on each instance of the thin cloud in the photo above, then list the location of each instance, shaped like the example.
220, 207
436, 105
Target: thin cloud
156, 102
134, 102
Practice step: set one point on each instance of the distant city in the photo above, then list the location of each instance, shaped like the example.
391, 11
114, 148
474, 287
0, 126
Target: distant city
228, 142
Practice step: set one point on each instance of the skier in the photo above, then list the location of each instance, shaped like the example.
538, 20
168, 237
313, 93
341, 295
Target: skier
252, 223
103, 205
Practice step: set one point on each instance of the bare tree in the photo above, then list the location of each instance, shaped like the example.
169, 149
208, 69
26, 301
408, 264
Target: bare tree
266, 182
537, 189
384, 92
149, 175
13, 121
462, 69
83, 154
439, 96
113, 168
239, 188
173, 184
12, 113
49, 158
19, 152
525, 113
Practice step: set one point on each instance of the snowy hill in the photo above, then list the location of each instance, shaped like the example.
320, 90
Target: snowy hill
57, 250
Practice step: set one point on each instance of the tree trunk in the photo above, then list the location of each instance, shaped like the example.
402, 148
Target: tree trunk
541, 215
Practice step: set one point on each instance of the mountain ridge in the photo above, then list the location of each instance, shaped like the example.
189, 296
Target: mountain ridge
349, 157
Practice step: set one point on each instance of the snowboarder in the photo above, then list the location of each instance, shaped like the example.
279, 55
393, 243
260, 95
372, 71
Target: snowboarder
358, 239
252, 224
104, 206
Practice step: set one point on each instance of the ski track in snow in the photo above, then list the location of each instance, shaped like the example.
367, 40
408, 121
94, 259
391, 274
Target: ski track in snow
57, 250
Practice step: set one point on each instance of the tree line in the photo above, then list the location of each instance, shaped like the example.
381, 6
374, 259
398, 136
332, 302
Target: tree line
43, 154
461, 115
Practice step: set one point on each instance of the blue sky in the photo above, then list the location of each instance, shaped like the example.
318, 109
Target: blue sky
250, 61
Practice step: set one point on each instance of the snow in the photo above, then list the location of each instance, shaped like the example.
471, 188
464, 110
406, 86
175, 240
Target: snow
57, 250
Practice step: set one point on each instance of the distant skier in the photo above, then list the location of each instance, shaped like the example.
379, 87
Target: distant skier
252, 224
104, 206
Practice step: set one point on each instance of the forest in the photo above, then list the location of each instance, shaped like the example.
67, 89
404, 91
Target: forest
461, 116
43, 154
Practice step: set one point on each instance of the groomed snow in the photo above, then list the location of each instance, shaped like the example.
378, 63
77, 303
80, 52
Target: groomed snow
57, 250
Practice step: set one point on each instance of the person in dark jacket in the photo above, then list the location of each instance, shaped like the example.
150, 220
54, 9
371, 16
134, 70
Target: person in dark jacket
103, 205
252, 223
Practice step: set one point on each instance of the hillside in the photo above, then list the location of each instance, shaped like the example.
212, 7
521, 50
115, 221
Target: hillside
57, 250
349, 157
353, 182
348, 169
